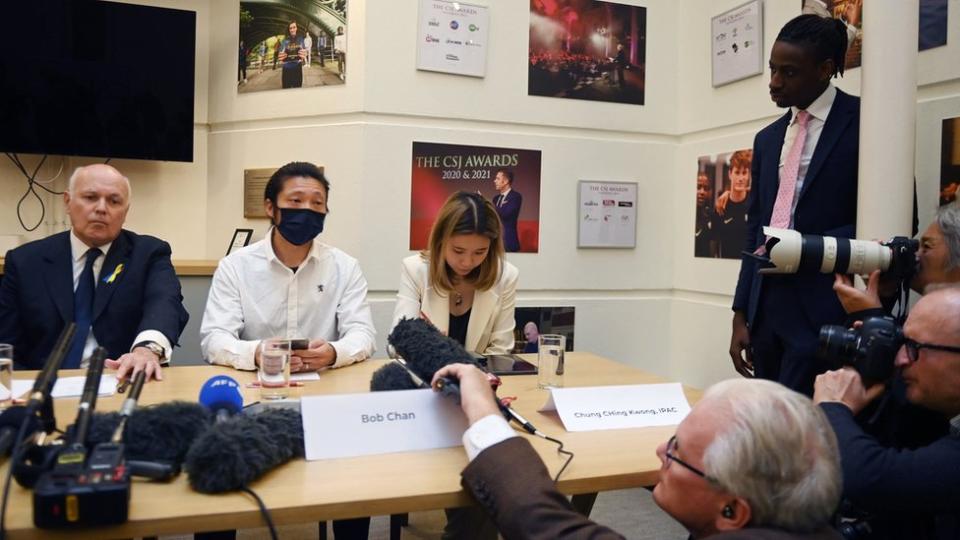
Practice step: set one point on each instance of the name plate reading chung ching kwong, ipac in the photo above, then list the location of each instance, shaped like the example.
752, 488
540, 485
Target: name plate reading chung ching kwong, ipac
619, 407
347, 425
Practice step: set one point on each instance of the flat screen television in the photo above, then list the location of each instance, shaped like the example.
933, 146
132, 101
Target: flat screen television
92, 78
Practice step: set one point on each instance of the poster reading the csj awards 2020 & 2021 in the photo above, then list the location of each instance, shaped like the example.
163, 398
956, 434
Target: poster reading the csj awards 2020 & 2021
508, 177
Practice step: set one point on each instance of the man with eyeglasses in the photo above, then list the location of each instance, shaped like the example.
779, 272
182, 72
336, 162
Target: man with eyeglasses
903, 476
752, 460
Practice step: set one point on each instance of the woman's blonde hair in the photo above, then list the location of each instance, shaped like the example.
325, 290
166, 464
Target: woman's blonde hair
465, 213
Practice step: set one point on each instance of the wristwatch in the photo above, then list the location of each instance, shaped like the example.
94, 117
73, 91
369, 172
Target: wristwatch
153, 347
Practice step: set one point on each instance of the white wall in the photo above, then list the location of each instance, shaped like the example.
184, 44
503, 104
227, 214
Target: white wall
656, 307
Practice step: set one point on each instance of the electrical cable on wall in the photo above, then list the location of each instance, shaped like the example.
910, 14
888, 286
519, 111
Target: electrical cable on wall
32, 183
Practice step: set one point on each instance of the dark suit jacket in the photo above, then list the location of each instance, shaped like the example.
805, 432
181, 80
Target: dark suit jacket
827, 207
509, 213
36, 296
912, 492
513, 486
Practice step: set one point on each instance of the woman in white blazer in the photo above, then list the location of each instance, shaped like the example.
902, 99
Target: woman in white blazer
462, 283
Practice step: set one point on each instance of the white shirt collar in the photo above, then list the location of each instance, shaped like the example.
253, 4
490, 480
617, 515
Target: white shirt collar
316, 247
820, 107
78, 249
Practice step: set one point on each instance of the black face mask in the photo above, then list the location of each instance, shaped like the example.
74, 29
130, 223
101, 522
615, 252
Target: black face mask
300, 225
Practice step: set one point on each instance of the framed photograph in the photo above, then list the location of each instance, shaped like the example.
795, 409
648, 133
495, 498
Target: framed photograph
241, 237
607, 214
587, 49
452, 37
736, 38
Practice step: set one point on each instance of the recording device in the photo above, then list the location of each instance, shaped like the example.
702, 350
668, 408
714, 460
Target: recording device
82, 491
871, 349
789, 252
221, 394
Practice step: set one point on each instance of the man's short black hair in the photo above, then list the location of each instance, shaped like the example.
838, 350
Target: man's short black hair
294, 168
508, 174
825, 38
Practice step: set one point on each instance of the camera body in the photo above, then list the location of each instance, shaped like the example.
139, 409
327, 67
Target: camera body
871, 349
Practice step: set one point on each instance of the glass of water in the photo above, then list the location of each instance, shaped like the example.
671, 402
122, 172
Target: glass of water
550, 360
274, 370
6, 375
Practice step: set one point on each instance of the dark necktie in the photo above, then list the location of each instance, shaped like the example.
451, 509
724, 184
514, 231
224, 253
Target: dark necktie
83, 310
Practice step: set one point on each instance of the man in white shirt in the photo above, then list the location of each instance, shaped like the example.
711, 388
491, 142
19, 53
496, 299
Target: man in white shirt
289, 285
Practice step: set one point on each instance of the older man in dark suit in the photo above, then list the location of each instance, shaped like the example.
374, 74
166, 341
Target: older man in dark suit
119, 287
752, 460
804, 173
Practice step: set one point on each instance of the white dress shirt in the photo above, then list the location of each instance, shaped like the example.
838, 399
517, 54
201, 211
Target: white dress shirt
78, 250
254, 296
818, 110
486, 432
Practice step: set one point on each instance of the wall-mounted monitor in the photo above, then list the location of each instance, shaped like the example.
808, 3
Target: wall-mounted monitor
101, 79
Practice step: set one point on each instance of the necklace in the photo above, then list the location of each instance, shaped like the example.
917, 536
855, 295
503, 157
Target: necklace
458, 298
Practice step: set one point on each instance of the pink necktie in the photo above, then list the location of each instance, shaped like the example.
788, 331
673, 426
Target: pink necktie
788, 180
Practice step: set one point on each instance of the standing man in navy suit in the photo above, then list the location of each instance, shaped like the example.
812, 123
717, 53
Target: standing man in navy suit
805, 178
507, 202
119, 287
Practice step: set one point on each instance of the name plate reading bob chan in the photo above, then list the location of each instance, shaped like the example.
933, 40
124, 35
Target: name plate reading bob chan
596, 408
348, 425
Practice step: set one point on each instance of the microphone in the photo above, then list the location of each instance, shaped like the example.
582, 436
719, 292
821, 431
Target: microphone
88, 400
392, 376
71, 459
43, 385
230, 455
129, 405
425, 350
31, 460
156, 433
221, 394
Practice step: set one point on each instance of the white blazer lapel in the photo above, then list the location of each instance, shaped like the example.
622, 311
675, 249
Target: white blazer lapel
437, 308
484, 304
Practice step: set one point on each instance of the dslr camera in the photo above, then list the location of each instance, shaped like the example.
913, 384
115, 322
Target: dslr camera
871, 349
789, 252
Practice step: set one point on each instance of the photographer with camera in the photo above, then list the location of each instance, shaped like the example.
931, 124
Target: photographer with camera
938, 261
904, 478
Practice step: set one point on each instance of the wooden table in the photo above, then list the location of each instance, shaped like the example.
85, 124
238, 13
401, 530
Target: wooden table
303, 492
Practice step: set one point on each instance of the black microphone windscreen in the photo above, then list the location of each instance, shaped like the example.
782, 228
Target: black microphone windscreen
391, 376
425, 349
162, 432
231, 454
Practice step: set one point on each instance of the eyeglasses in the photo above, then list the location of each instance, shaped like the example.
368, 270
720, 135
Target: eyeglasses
913, 348
670, 453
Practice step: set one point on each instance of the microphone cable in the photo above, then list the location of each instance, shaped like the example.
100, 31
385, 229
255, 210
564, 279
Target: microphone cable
263, 511
529, 428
